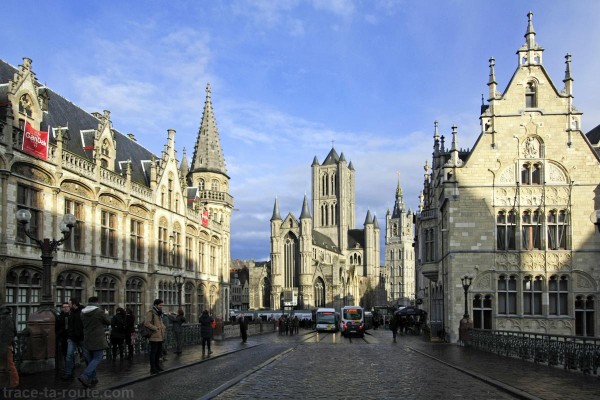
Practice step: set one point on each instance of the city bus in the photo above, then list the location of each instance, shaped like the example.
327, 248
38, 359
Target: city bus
353, 321
327, 320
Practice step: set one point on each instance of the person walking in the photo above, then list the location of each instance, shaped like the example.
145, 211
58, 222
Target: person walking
117, 333
8, 331
153, 321
74, 338
61, 328
129, 332
206, 330
177, 320
394, 325
243, 328
94, 321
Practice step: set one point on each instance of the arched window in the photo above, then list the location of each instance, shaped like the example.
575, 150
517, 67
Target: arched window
530, 95
201, 299
507, 295
584, 316
482, 311
134, 288
106, 291
558, 294
201, 184
290, 249
319, 293
187, 299
25, 105
69, 285
23, 287
506, 229
265, 293
213, 299
167, 291
532, 295
214, 185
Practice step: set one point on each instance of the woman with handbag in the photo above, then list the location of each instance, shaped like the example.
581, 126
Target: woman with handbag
153, 321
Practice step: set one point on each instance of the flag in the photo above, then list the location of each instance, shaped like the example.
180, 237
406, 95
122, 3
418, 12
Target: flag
35, 142
205, 218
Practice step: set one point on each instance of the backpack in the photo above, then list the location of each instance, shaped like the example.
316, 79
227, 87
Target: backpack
143, 330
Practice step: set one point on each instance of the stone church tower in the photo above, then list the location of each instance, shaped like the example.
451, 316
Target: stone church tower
399, 253
320, 259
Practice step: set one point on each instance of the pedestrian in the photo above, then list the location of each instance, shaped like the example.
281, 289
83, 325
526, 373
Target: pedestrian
94, 340
394, 325
129, 332
117, 333
243, 328
8, 331
206, 330
61, 328
177, 320
153, 321
74, 338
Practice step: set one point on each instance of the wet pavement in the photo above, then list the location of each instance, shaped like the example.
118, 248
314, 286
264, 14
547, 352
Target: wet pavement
326, 366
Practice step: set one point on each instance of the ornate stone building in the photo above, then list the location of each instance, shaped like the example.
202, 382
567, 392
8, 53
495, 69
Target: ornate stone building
516, 212
140, 217
322, 260
399, 254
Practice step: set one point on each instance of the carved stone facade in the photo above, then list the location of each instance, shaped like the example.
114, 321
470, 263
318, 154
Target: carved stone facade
140, 216
517, 212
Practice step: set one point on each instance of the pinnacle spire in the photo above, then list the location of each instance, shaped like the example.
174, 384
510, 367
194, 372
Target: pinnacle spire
208, 155
305, 211
276, 216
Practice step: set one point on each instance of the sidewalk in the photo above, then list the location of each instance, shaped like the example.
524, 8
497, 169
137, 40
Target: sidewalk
524, 379
114, 375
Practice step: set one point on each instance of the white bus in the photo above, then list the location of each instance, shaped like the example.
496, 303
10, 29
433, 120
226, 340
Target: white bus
353, 321
327, 320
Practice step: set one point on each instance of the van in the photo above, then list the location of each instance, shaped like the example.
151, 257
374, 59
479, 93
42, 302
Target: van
353, 321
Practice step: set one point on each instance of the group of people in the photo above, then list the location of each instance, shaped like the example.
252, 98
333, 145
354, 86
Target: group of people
288, 325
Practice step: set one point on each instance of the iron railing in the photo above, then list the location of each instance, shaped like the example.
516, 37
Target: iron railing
190, 336
570, 352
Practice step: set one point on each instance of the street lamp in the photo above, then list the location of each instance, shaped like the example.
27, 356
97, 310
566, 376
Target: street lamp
466, 281
179, 279
48, 247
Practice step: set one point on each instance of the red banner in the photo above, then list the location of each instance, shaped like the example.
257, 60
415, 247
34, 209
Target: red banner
35, 142
205, 218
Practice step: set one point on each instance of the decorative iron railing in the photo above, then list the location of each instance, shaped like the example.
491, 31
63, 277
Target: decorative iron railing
190, 336
570, 352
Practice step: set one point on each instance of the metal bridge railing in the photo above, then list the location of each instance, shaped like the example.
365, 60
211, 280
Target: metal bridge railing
570, 352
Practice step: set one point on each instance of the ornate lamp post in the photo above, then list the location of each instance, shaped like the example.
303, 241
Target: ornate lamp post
179, 279
48, 247
466, 281
42, 324
466, 325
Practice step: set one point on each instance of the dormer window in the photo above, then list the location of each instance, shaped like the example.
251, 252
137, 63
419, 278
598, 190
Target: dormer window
25, 105
105, 148
530, 95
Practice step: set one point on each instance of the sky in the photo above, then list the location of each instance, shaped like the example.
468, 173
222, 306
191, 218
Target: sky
292, 78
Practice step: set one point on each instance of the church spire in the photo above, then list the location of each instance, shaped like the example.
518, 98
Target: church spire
305, 211
208, 155
399, 203
276, 216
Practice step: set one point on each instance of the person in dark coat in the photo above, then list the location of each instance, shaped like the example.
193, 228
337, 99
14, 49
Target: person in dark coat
154, 322
243, 328
62, 329
394, 323
94, 321
129, 331
177, 320
117, 333
206, 330
74, 338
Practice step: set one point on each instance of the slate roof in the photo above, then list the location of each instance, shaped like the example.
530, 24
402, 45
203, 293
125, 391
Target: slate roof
594, 135
81, 124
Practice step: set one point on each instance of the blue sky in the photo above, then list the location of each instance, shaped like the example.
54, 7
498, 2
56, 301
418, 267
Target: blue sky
288, 77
